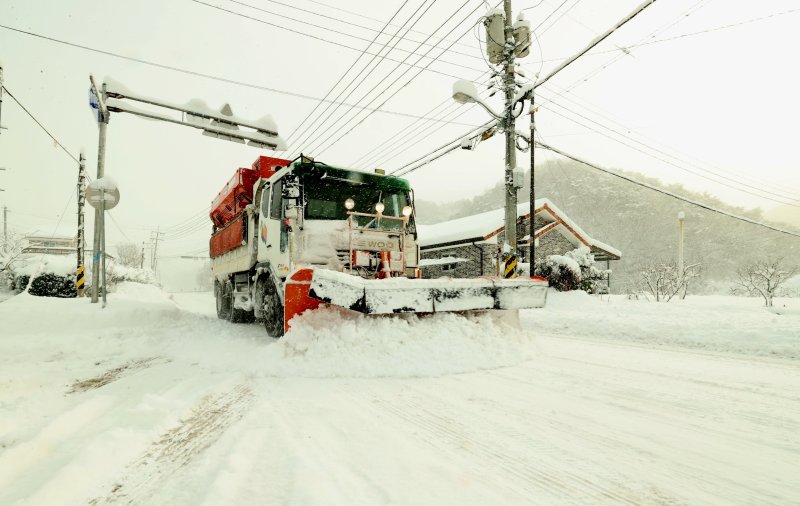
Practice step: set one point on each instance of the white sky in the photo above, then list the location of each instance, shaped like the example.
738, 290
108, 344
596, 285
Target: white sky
724, 101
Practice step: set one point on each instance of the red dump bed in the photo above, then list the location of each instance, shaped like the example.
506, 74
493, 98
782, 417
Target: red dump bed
238, 193
229, 237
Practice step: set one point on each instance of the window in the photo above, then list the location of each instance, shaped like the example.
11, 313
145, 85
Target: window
448, 267
325, 201
275, 211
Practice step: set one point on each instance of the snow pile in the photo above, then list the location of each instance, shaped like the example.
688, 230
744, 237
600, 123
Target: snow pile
35, 264
334, 343
738, 325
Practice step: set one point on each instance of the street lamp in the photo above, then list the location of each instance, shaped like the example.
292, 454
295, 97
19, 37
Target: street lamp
464, 92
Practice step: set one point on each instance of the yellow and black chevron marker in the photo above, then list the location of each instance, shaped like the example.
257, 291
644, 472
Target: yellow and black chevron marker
510, 267
80, 279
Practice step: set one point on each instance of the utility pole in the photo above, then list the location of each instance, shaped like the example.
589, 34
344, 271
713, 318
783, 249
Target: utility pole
80, 273
5, 228
141, 264
155, 237
681, 280
102, 123
509, 253
1, 99
532, 226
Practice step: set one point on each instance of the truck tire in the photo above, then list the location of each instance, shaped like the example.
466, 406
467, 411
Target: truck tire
224, 301
273, 310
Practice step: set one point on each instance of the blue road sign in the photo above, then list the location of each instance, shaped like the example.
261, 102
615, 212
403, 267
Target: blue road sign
94, 103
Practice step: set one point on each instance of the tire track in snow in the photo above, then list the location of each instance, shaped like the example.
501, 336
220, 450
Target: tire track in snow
114, 374
522, 459
177, 447
690, 462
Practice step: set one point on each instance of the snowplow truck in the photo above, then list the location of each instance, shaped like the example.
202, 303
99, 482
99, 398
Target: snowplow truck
291, 236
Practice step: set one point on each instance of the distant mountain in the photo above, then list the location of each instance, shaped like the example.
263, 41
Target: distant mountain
785, 214
640, 222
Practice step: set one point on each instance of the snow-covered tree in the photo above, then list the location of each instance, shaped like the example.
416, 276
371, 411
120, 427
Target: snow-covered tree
763, 277
10, 250
129, 254
590, 274
663, 280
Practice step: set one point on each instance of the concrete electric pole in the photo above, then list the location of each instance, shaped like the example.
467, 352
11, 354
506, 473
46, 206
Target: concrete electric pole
1, 99
102, 123
681, 280
509, 253
155, 237
532, 227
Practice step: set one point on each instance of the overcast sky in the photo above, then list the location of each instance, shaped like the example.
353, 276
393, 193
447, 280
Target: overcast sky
703, 104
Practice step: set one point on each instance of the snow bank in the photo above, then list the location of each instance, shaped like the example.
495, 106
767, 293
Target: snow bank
737, 325
338, 343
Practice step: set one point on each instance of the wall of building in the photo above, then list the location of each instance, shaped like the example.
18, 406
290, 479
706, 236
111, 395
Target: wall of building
474, 254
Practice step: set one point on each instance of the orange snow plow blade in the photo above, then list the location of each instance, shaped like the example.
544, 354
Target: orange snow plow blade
404, 295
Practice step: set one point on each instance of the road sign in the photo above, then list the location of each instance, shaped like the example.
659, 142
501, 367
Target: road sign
94, 103
100, 191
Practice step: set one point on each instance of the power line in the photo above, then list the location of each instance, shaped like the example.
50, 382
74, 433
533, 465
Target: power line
385, 77
321, 39
354, 79
722, 182
204, 75
328, 17
40, 125
359, 122
362, 15
665, 192
402, 171
740, 179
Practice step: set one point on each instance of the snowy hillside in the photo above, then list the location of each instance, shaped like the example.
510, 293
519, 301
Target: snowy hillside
594, 401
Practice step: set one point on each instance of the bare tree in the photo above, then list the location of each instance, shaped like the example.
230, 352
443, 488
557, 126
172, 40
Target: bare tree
129, 254
10, 250
663, 281
763, 277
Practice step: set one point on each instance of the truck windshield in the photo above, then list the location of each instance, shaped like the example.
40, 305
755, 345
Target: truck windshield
325, 201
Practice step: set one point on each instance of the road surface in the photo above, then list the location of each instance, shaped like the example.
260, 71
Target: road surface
194, 412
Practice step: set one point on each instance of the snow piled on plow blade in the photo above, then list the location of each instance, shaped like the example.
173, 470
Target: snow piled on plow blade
403, 295
332, 342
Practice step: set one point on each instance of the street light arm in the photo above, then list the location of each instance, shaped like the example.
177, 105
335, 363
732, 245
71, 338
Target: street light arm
491, 111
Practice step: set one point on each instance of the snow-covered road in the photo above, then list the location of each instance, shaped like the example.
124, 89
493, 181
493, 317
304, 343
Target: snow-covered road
154, 401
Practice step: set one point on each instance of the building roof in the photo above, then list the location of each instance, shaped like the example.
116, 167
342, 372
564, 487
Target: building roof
485, 226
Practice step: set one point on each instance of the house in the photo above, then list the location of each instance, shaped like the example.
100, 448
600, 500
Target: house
56, 245
468, 247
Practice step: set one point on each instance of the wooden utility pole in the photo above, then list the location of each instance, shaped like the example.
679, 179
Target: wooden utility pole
80, 279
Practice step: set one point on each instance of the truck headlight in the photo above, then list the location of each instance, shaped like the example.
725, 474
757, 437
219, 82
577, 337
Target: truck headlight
379, 207
407, 211
349, 204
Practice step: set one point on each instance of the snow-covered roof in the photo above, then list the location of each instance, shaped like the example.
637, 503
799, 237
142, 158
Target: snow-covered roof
484, 226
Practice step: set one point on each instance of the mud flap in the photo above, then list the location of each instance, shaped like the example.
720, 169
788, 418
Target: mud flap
403, 295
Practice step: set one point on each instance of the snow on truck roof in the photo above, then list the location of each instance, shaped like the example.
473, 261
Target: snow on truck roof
353, 176
485, 226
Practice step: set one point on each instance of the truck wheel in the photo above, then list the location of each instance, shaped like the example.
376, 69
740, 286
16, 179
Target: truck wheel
224, 302
273, 310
